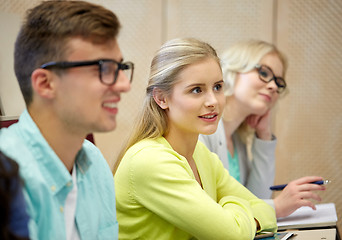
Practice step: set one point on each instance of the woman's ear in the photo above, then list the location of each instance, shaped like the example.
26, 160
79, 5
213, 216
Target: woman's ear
42, 83
160, 97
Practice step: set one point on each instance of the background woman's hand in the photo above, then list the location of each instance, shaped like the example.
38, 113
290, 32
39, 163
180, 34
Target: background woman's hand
296, 194
261, 124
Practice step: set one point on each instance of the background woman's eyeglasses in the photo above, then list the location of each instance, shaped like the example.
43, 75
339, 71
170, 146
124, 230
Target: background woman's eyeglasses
108, 68
266, 75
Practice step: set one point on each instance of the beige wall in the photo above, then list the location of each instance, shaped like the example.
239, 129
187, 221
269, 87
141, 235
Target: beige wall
309, 119
9, 27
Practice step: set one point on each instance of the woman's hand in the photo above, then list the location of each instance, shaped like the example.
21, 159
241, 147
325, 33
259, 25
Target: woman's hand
262, 125
296, 194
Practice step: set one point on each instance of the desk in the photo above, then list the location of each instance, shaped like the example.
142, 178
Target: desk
313, 234
316, 234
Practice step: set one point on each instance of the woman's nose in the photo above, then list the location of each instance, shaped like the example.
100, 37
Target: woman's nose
211, 100
272, 85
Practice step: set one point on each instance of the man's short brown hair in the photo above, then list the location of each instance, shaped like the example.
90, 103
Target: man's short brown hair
47, 29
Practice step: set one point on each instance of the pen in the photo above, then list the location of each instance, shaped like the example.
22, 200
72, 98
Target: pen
281, 187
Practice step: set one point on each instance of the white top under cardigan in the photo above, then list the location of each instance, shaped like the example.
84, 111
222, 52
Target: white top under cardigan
257, 175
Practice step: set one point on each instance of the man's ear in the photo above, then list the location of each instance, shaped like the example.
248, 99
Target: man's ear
160, 97
42, 83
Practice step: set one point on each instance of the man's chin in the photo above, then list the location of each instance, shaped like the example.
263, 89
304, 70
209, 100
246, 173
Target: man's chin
106, 128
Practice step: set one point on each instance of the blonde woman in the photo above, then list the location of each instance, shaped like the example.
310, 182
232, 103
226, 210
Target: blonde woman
169, 185
255, 74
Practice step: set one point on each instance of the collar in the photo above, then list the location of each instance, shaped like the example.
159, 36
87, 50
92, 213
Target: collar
52, 168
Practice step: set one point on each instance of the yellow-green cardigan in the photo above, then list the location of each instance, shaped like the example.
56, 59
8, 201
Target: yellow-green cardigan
158, 197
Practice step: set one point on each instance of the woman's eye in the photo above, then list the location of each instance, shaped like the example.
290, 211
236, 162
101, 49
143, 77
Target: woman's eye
218, 87
263, 74
196, 90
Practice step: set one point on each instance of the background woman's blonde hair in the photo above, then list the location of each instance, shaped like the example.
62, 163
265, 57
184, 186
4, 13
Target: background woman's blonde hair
169, 61
242, 57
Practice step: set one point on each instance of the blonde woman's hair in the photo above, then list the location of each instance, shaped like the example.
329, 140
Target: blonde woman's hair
167, 64
242, 57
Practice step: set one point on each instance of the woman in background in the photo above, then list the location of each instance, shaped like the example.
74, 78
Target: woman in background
168, 184
254, 72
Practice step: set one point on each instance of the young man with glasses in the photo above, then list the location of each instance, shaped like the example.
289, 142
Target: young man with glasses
71, 72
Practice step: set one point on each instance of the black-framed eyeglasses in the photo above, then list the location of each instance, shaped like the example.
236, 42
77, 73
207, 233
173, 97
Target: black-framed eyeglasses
266, 75
108, 68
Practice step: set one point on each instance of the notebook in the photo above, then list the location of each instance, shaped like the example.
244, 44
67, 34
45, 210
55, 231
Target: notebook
304, 217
